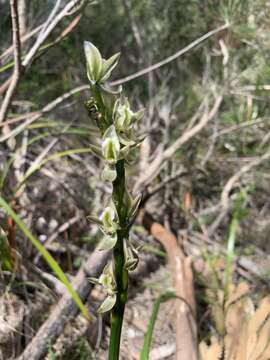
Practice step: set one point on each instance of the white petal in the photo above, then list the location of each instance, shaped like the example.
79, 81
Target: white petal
107, 304
108, 242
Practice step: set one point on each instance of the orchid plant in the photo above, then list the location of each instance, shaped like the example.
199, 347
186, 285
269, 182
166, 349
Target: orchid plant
115, 120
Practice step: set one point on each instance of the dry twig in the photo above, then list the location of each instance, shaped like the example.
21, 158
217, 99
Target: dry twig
172, 57
17, 61
163, 156
46, 30
236, 177
53, 104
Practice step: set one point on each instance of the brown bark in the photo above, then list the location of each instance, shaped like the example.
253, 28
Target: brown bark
186, 332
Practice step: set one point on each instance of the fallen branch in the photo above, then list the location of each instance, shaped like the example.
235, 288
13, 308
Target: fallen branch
65, 309
186, 332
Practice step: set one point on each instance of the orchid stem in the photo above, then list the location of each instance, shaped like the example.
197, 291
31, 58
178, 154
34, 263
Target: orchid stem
121, 274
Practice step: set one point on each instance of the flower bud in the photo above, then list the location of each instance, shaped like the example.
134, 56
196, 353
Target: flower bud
122, 115
107, 279
109, 173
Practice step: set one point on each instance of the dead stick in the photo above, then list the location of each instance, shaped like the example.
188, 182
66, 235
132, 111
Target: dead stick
186, 334
17, 61
65, 309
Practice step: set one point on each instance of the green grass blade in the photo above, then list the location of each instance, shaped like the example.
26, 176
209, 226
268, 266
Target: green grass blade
166, 295
230, 255
47, 256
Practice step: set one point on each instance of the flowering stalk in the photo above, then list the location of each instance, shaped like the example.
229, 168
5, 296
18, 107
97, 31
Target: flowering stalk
115, 121
120, 271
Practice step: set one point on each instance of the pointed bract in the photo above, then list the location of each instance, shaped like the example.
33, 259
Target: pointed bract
131, 256
96, 150
113, 90
139, 114
93, 62
108, 66
126, 139
94, 281
135, 206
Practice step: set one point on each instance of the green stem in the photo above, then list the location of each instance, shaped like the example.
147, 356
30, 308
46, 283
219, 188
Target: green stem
121, 274
96, 93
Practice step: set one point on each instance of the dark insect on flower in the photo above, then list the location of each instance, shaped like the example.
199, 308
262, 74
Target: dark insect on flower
91, 107
92, 111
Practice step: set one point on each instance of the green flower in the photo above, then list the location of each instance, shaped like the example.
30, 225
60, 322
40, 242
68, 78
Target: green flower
109, 226
109, 219
123, 116
107, 280
110, 145
98, 69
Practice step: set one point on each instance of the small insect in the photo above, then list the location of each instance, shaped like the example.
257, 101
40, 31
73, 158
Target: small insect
91, 107
92, 110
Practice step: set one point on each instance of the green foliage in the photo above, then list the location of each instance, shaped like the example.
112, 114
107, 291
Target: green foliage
165, 296
46, 255
6, 260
